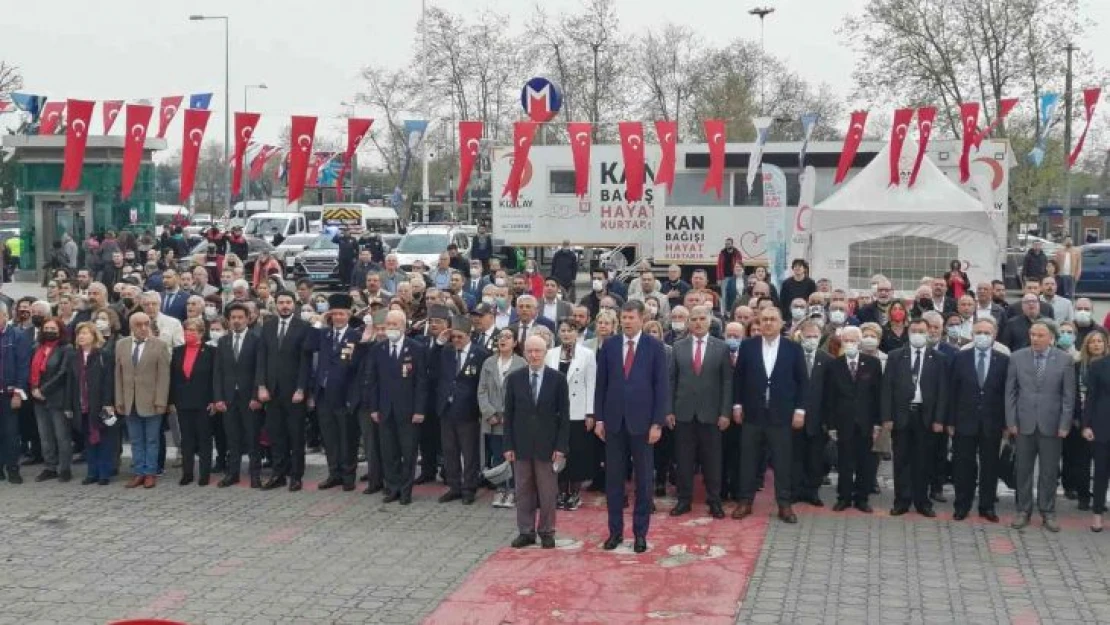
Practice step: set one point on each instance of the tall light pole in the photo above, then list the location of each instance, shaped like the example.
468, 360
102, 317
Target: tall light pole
761, 12
354, 155
1070, 49
247, 88
227, 103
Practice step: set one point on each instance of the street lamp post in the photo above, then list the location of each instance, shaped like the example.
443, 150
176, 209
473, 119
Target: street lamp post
247, 88
227, 103
761, 12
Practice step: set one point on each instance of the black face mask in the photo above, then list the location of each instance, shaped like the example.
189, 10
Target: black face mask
50, 336
38, 320
128, 302
925, 304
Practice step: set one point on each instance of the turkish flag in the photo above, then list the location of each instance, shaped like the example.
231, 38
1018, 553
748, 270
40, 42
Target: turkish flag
138, 119
264, 154
715, 136
1005, 107
195, 122
357, 127
667, 132
523, 134
77, 135
1090, 100
969, 118
51, 117
926, 115
166, 112
110, 110
851, 144
581, 140
301, 134
902, 119
244, 130
632, 148
470, 140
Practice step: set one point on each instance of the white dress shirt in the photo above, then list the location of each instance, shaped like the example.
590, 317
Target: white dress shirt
770, 354
624, 341
551, 310
917, 352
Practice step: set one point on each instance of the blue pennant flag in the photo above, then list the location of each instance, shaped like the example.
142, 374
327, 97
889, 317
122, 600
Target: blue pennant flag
200, 101
30, 103
414, 132
1048, 103
809, 122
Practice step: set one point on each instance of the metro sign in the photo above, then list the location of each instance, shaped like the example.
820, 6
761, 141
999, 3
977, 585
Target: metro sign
541, 99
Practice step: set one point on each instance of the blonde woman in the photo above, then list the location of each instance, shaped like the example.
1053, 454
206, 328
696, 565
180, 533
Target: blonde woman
871, 335
579, 365
605, 326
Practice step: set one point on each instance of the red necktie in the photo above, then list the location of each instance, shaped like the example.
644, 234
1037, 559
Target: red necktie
697, 358
628, 357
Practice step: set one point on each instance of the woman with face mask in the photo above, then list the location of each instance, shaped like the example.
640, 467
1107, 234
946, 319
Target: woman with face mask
579, 365
894, 333
191, 373
491, 403
51, 384
533, 278
870, 337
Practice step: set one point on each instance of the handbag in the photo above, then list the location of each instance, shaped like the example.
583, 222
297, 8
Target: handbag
1006, 471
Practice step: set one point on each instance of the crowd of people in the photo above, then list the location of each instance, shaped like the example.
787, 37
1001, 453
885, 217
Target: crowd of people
478, 376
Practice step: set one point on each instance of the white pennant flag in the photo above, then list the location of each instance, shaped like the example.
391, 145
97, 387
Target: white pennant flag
762, 132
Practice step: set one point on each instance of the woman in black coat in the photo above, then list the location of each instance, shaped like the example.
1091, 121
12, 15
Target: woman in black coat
191, 372
50, 381
92, 399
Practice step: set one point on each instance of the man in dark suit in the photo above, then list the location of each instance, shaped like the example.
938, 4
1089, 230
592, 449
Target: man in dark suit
977, 419
769, 400
631, 400
284, 365
174, 300
913, 398
527, 311
1015, 334
853, 393
235, 391
15, 364
337, 394
701, 401
437, 325
460, 367
808, 451
475, 281
395, 394
537, 439
940, 469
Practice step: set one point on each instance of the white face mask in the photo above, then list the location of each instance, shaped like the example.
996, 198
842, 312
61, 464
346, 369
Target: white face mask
475, 273
393, 335
810, 344
678, 326
367, 320
918, 339
596, 284
210, 312
983, 341
306, 315
838, 316
500, 282
851, 350
869, 343
1083, 317
103, 326
797, 313
216, 335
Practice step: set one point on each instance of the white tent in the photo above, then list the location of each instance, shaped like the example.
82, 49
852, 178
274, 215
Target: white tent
870, 227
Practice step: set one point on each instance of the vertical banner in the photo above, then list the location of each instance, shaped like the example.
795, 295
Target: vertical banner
110, 110
357, 127
1090, 100
1005, 106
762, 132
244, 130
1047, 107
800, 234
166, 112
414, 130
581, 142
523, 134
969, 119
138, 120
667, 133
51, 117
301, 134
902, 119
851, 145
715, 137
632, 149
809, 122
774, 216
195, 122
77, 136
926, 115
470, 143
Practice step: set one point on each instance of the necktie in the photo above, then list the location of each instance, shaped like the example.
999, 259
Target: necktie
135, 353
1040, 366
535, 386
169, 301
523, 334
235, 347
394, 351
981, 368
629, 356
281, 331
852, 368
916, 365
697, 358
809, 364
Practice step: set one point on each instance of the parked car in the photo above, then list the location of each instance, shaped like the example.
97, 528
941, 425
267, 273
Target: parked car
255, 247
291, 246
425, 242
1095, 278
319, 261
268, 225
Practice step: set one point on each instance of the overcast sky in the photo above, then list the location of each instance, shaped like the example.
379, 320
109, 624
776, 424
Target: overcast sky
309, 53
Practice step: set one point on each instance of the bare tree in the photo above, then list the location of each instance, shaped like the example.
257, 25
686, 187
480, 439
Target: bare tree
11, 79
670, 65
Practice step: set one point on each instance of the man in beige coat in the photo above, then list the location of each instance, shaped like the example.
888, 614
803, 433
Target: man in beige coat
1069, 268
142, 389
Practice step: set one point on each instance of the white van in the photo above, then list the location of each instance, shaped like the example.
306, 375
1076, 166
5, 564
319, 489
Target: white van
266, 225
242, 211
165, 214
359, 217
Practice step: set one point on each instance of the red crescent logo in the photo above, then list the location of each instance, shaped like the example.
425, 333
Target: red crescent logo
998, 174
798, 225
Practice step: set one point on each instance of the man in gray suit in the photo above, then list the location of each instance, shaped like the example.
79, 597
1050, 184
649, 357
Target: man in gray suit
1040, 392
701, 400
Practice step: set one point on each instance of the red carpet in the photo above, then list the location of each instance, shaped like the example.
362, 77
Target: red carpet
696, 569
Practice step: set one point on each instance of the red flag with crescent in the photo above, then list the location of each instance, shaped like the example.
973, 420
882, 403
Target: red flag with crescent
1006, 105
470, 140
137, 117
715, 137
77, 136
902, 119
357, 127
667, 132
632, 148
581, 142
523, 134
265, 153
969, 120
301, 133
245, 124
166, 112
1090, 100
195, 122
51, 117
110, 110
926, 115
851, 145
